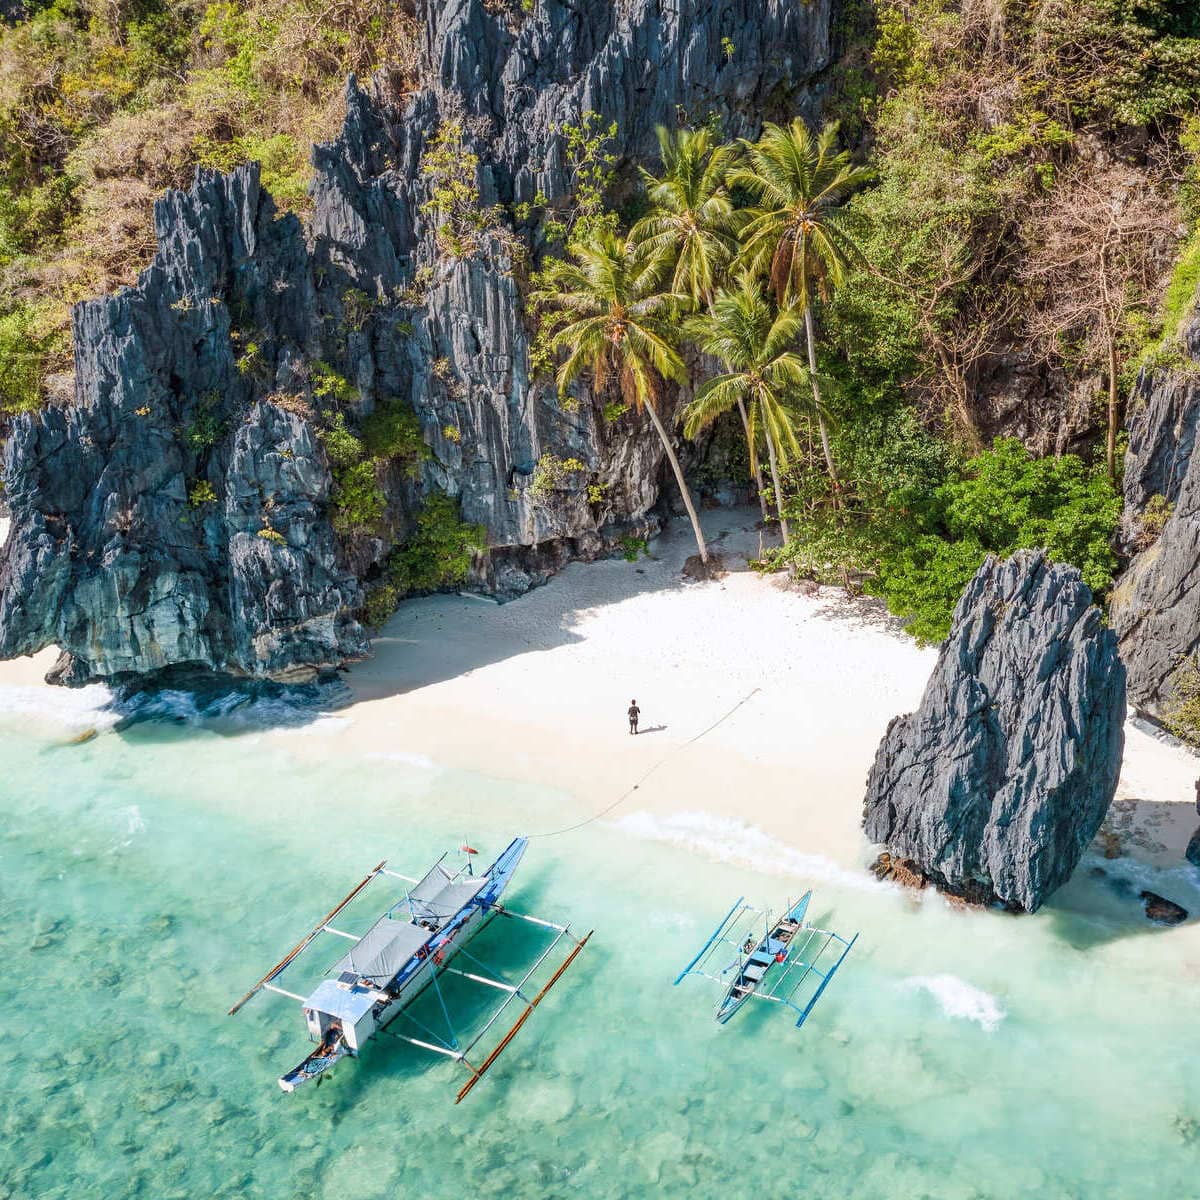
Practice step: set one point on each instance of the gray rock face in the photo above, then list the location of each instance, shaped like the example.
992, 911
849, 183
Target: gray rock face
1155, 607
107, 556
1003, 775
202, 376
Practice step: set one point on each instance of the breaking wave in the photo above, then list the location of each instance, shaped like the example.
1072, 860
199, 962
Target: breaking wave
231, 707
959, 999
74, 708
728, 840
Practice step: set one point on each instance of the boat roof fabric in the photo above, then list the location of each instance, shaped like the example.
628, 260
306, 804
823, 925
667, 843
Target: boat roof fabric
384, 949
348, 1006
438, 897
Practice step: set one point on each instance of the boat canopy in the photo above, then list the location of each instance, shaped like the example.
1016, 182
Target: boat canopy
384, 949
347, 1004
440, 895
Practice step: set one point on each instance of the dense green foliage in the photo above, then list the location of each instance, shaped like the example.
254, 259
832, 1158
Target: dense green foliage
928, 519
1004, 500
392, 431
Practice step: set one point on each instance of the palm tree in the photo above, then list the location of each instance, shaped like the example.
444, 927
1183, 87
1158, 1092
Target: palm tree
797, 236
745, 332
694, 224
693, 221
606, 310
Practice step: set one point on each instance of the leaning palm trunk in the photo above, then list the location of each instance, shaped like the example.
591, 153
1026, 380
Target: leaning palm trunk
758, 479
783, 525
683, 487
810, 336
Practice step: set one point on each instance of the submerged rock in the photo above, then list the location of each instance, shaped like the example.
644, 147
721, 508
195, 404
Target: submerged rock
996, 784
1162, 911
1192, 853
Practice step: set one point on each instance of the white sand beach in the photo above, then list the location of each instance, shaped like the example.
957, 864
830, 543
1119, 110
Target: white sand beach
762, 706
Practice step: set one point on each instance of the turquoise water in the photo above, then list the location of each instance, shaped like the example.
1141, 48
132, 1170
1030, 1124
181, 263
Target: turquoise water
147, 878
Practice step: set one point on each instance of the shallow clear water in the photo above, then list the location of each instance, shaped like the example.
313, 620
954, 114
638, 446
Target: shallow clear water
146, 879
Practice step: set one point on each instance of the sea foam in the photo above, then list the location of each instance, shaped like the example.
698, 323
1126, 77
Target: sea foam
729, 840
76, 708
959, 999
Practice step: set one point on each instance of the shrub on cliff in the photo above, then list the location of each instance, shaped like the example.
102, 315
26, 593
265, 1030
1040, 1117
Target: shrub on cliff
438, 555
440, 551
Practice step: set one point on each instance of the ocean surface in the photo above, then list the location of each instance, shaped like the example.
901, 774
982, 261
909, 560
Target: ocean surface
150, 875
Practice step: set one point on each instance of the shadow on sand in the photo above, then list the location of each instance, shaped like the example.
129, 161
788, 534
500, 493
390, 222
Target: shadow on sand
429, 640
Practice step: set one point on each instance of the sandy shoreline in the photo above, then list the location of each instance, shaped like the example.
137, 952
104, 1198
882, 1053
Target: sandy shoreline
761, 707
785, 695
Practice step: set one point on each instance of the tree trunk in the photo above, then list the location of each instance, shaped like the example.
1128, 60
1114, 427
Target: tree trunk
758, 479
1114, 413
679, 479
783, 525
811, 338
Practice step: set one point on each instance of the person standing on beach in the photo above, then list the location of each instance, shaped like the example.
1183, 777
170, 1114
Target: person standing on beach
634, 713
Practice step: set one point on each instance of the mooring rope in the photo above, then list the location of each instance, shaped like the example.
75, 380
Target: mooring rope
630, 790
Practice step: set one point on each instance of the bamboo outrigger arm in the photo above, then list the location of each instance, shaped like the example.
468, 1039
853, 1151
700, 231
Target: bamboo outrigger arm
304, 941
530, 1005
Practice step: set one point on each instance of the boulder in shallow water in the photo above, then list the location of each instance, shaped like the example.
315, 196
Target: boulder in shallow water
1162, 911
996, 784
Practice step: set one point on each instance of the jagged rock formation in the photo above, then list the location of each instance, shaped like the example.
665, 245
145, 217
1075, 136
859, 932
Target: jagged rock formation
107, 556
1154, 607
996, 784
204, 373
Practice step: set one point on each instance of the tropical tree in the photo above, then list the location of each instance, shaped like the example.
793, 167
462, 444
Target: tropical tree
796, 236
694, 224
764, 374
605, 310
693, 221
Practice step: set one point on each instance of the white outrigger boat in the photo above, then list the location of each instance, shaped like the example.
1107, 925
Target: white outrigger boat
789, 962
402, 954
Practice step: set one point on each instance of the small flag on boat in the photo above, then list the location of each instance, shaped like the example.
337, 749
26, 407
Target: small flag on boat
470, 850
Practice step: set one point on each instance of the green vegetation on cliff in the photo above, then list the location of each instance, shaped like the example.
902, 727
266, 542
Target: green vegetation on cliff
1003, 230
1004, 260
105, 104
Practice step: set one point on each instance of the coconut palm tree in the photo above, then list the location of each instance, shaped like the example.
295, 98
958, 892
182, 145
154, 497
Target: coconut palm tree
605, 310
694, 224
693, 221
796, 237
764, 374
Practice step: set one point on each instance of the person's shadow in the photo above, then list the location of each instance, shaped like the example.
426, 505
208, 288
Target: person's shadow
652, 729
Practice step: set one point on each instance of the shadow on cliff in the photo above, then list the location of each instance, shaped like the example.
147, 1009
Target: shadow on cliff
1103, 900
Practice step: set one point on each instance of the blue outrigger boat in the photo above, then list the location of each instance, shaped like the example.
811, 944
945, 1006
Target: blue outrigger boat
788, 962
402, 954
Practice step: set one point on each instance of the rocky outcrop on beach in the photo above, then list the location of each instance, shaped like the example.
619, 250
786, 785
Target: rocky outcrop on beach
993, 788
1154, 608
179, 511
176, 512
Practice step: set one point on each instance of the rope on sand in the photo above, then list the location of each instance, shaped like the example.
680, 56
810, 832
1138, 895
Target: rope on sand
630, 790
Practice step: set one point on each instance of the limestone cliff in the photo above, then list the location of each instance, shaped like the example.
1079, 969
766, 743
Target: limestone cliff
993, 788
1154, 607
178, 512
